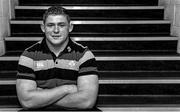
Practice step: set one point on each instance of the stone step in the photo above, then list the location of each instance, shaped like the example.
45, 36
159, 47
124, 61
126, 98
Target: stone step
106, 45
119, 75
118, 87
138, 100
117, 63
95, 12
160, 108
165, 38
98, 28
115, 53
116, 81
115, 101
90, 2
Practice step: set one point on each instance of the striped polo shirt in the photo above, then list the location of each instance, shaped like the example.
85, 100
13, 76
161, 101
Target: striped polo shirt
38, 63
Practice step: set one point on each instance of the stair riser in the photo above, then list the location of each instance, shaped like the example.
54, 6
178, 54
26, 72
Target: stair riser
118, 75
148, 65
135, 14
8, 65
118, 89
138, 101
114, 101
139, 89
99, 29
124, 65
117, 46
89, 2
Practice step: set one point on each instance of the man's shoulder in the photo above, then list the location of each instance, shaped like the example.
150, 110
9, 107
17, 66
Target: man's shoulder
79, 47
82, 51
30, 51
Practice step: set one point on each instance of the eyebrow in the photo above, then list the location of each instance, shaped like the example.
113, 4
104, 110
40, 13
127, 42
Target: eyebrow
57, 23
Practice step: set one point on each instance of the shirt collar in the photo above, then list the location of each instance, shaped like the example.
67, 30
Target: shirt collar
67, 49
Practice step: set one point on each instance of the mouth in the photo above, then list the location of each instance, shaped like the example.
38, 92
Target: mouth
56, 36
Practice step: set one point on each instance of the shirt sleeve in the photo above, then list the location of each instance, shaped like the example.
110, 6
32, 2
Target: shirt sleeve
88, 64
25, 67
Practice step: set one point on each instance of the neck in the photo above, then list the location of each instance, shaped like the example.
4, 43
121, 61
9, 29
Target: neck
57, 49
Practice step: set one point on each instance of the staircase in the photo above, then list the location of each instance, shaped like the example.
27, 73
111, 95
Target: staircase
136, 55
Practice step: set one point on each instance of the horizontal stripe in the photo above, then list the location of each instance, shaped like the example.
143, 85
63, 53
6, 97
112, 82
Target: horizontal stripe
42, 65
24, 69
46, 84
29, 54
89, 73
26, 61
51, 83
56, 73
30, 75
60, 63
24, 77
87, 56
89, 63
67, 64
88, 69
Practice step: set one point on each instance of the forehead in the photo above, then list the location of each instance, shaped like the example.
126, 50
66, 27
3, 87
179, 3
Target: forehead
56, 19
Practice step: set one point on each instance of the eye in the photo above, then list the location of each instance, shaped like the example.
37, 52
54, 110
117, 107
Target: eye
49, 25
62, 24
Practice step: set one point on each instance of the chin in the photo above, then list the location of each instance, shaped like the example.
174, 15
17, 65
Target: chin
57, 43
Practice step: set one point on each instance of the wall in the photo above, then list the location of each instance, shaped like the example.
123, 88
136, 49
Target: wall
4, 23
6, 13
172, 13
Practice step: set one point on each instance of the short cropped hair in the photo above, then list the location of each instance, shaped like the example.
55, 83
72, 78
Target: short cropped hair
56, 10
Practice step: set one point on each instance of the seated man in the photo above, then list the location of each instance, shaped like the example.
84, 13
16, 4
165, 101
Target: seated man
56, 71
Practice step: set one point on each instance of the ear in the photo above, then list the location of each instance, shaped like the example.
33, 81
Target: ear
71, 26
42, 27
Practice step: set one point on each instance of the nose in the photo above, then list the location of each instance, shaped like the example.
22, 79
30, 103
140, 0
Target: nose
56, 29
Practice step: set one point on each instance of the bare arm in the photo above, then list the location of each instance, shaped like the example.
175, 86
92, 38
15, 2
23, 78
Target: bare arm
32, 97
85, 97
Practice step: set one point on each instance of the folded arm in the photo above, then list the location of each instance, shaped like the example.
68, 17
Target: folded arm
32, 97
86, 95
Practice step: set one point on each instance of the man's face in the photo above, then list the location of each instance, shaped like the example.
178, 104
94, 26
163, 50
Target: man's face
56, 29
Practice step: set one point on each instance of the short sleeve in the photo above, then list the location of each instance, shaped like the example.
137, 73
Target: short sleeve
88, 64
25, 67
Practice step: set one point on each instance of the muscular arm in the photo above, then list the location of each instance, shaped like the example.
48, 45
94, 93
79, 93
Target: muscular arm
32, 97
86, 95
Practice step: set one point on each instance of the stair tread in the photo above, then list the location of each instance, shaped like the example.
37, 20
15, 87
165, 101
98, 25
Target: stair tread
92, 7
119, 75
12, 81
151, 38
160, 108
89, 2
97, 22
115, 101
114, 53
96, 12
113, 58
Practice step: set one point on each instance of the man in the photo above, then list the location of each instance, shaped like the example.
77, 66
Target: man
57, 71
